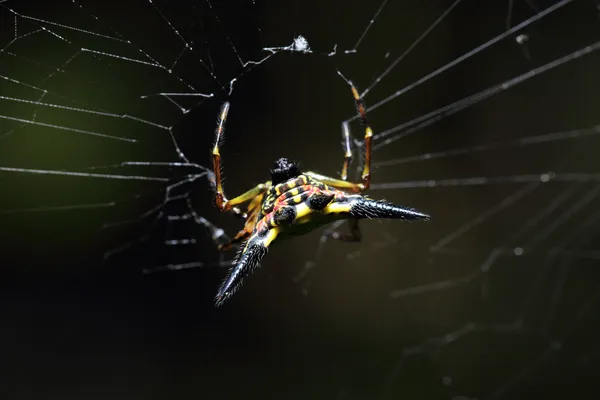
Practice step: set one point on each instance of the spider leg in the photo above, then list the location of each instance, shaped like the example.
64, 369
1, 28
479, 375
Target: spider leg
347, 151
221, 200
252, 217
239, 237
353, 236
336, 183
366, 174
342, 183
251, 194
248, 260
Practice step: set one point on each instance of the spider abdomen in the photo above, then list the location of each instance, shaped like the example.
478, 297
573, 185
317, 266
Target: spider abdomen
320, 200
284, 216
297, 206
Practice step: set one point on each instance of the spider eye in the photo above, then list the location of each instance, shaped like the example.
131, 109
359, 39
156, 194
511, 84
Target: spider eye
284, 170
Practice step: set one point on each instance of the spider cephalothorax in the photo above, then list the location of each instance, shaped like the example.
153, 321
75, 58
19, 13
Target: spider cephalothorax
284, 169
295, 202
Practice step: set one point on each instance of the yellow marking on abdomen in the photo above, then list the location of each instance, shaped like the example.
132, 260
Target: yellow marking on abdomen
271, 235
302, 210
336, 208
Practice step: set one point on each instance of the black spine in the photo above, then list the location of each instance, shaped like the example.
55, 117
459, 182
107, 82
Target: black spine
248, 261
367, 208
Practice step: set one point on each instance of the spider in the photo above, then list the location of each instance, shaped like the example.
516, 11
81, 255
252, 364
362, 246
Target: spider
294, 202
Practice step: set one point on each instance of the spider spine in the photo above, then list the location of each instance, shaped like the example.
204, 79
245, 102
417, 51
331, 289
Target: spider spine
247, 262
367, 208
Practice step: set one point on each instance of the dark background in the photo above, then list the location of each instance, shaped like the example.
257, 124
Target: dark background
77, 326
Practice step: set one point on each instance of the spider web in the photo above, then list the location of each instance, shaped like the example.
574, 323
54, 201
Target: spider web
484, 117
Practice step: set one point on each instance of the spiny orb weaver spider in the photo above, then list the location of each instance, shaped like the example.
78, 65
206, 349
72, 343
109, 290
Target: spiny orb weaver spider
294, 202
